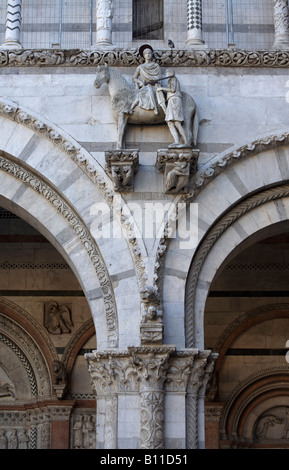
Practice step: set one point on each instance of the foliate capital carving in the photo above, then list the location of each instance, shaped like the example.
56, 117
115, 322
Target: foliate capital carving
152, 364
112, 371
201, 373
143, 368
177, 165
122, 165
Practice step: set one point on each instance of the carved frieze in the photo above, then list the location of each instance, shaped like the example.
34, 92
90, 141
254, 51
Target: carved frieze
127, 58
83, 432
122, 165
178, 165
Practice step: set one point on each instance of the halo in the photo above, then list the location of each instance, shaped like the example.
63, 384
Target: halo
143, 47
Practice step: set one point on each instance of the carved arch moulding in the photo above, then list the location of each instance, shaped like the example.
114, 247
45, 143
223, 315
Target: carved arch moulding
206, 248
92, 169
74, 223
25, 346
207, 174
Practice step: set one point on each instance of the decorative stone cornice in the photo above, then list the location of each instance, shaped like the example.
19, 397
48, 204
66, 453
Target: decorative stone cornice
131, 58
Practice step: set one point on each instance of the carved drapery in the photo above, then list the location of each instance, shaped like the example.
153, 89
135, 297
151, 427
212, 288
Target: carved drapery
104, 15
13, 25
149, 372
194, 23
281, 24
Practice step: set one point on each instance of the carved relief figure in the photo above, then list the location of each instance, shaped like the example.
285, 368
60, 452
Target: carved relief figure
3, 439
146, 77
178, 177
122, 176
23, 439
59, 372
264, 423
84, 432
174, 112
151, 300
144, 104
6, 385
57, 318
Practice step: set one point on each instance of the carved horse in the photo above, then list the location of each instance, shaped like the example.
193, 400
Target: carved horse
123, 94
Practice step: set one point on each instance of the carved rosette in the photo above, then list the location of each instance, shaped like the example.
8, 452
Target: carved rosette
281, 24
121, 166
178, 166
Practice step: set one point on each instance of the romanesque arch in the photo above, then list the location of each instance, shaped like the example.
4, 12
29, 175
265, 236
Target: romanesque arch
54, 184
239, 193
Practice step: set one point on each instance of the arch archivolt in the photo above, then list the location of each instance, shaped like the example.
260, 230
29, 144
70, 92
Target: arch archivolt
51, 164
23, 346
242, 195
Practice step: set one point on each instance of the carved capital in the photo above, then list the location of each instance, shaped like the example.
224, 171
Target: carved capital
151, 364
178, 165
111, 372
121, 166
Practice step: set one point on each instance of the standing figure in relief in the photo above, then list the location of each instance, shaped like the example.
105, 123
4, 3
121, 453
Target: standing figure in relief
150, 94
174, 113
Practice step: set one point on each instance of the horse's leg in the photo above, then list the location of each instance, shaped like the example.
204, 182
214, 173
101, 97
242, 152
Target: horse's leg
122, 122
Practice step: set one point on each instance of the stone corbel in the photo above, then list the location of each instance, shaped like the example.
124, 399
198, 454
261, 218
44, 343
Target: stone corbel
178, 165
121, 166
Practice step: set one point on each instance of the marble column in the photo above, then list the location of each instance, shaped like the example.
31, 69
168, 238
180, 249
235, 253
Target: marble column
13, 25
281, 24
152, 365
104, 15
194, 23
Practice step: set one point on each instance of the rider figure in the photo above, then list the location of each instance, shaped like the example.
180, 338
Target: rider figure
149, 96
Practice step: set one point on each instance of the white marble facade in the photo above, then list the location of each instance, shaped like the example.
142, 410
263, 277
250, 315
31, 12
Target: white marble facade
129, 360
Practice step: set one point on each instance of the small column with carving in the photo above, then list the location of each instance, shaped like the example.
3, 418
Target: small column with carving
121, 166
198, 381
281, 24
177, 165
13, 25
152, 364
104, 16
194, 23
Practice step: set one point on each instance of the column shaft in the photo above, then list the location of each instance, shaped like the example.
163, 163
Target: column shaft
13, 25
281, 24
194, 23
104, 15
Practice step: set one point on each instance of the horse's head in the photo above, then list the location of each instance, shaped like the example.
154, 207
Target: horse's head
102, 76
